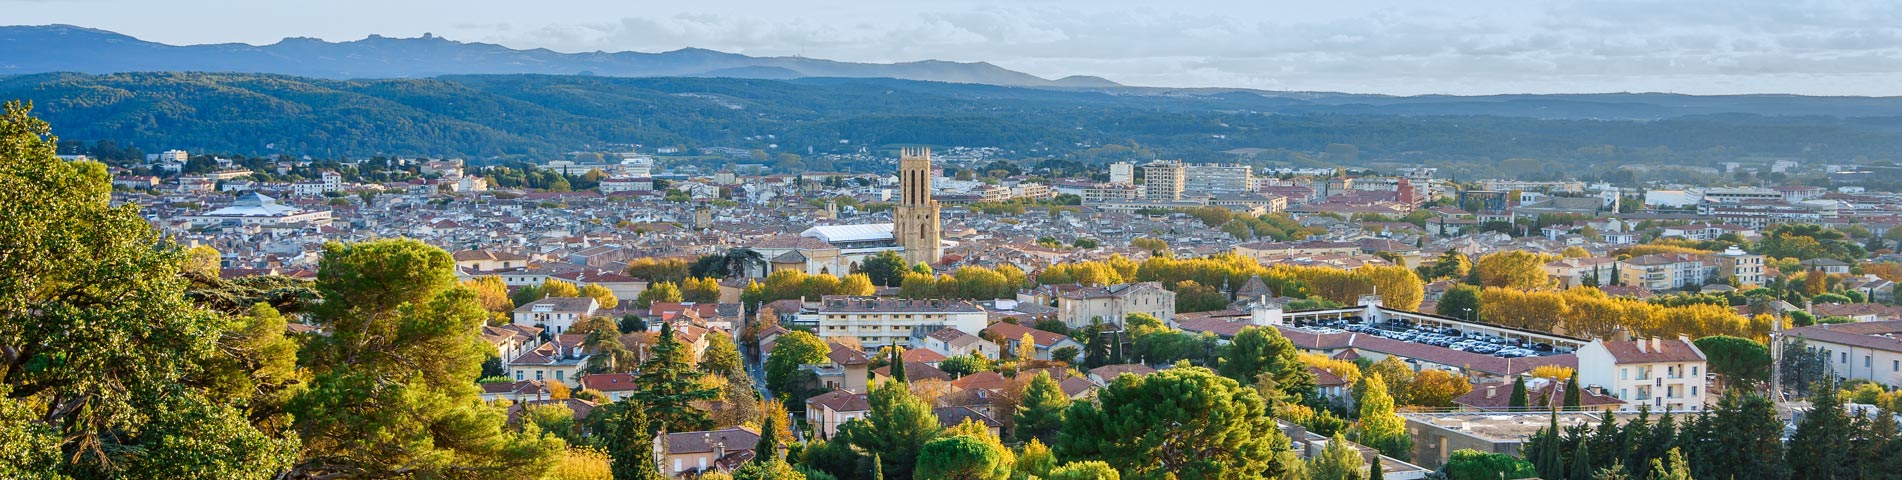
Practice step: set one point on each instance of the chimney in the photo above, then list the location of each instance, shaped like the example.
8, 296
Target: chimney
1492, 391
719, 448
1641, 348
1657, 344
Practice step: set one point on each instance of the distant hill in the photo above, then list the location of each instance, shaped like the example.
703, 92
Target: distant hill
66, 48
543, 116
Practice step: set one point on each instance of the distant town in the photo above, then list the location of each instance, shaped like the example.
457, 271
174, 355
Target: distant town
1504, 319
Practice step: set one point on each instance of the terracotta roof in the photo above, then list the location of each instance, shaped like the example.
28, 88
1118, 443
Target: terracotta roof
1109, 372
609, 382
1324, 378
952, 416
915, 371
1554, 392
735, 439
1666, 350
1871, 335
844, 355
984, 380
840, 401
922, 355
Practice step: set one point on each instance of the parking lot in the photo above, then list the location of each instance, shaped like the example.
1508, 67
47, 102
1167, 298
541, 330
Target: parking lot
1447, 337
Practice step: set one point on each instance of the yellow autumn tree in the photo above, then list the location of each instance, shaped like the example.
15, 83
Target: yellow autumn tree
1516, 269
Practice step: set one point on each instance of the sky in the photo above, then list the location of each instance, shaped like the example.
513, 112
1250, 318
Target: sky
1401, 47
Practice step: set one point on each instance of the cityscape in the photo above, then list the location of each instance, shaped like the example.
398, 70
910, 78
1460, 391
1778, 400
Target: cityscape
430, 258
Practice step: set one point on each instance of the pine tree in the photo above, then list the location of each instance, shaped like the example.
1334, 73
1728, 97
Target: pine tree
1820, 448
1518, 400
897, 427
1040, 411
1339, 460
669, 384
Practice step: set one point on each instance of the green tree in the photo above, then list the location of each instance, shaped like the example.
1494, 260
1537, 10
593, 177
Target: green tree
627, 436
962, 457
722, 356
896, 429
1339, 460
102, 359
603, 338
1380, 427
1673, 467
1257, 350
1040, 411
1035, 459
1469, 464
1518, 400
669, 384
1736, 359
393, 389
1574, 398
1745, 440
663, 292
1582, 462
1461, 302
1185, 420
791, 351
1820, 448
1085, 470
885, 269
768, 446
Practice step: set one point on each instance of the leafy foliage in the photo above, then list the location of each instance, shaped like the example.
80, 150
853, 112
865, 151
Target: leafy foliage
1184, 421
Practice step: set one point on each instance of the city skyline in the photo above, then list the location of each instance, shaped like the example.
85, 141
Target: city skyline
1466, 48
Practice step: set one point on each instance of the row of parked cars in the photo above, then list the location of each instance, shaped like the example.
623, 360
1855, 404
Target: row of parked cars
1451, 338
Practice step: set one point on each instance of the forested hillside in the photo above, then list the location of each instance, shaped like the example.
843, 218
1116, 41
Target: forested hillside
532, 116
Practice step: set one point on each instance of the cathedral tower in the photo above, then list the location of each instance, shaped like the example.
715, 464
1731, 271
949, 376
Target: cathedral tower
915, 219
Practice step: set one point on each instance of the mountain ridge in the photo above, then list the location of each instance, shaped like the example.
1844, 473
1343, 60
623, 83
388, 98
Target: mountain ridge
70, 48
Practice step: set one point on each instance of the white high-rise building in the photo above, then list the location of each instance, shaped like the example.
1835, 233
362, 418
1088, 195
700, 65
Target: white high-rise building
1215, 178
1123, 173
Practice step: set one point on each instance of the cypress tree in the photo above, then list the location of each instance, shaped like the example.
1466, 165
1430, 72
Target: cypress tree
1517, 402
1547, 459
1582, 461
1821, 446
878, 468
767, 450
898, 364
1374, 472
1573, 397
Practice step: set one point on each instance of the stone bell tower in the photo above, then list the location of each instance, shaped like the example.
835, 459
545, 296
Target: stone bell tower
915, 219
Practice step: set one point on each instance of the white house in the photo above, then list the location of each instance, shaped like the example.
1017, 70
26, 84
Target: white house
1667, 374
557, 314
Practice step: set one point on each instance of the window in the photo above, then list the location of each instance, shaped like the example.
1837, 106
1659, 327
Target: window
1693, 390
518, 375
558, 374
1624, 374
1693, 370
1845, 357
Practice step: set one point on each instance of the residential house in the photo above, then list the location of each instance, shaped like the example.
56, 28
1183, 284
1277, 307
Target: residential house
952, 342
690, 454
827, 411
1012, 335
616, 386
557, 314
560, 359
1667, 374
1111, 304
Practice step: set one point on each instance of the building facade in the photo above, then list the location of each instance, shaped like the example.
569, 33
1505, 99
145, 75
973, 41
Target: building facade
1666, 374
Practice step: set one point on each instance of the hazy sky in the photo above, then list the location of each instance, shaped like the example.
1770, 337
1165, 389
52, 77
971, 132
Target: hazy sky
1397, 47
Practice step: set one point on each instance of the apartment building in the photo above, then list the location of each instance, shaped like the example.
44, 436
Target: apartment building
1666, 374
1664, 271
1735, 263
878, 322
1216, 179
1123, 173
1857, 351
1163, 180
